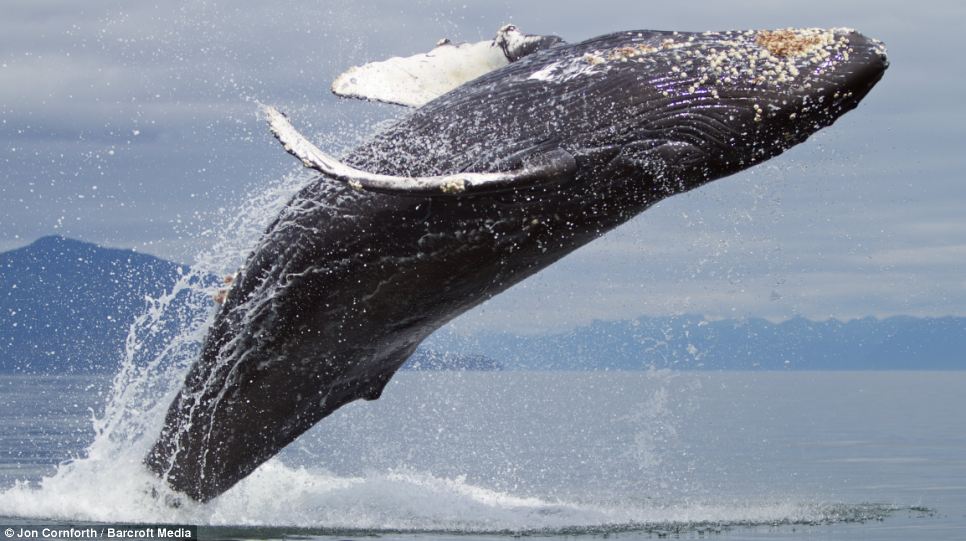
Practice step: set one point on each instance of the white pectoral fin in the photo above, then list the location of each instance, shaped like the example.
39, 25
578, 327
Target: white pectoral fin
418, 79
541, 169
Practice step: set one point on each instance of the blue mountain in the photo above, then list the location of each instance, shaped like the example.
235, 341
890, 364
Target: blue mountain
691, 342
429, 360
67, 305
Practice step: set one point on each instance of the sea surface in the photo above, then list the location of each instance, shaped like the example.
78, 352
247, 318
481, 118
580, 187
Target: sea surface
495, 455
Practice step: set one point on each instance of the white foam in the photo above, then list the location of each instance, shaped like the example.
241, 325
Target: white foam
279, 495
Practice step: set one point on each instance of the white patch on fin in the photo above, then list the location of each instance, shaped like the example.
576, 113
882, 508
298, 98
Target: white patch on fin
418, 79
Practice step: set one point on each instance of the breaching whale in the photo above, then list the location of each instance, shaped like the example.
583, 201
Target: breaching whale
518, 152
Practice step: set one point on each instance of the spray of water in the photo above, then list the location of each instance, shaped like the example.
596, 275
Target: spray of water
160, 347
109, 483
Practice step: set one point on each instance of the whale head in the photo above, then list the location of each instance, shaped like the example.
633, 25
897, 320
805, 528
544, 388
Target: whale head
646, 113
677, 110
637, 115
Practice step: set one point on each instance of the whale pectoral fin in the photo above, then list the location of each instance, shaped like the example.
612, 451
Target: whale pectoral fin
549, 167
418, 79
378, 384
415, 80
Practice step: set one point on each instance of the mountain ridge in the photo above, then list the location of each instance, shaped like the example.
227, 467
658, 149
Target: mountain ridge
692, 342
68, 302
66, 306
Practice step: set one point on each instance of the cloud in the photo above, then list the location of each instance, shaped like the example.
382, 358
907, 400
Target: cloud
864, 218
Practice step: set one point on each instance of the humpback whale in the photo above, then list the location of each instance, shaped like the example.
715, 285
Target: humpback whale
516, 152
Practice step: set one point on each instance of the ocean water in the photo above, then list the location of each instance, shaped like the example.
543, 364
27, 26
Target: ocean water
494, 455
758, 455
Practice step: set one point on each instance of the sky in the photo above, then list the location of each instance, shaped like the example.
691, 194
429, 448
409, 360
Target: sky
132, 124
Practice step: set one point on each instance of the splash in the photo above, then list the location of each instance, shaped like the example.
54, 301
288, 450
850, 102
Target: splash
160, 346
110, 484
280, 496
384, 493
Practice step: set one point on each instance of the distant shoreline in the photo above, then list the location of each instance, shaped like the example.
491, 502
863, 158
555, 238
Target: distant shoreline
68, 306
